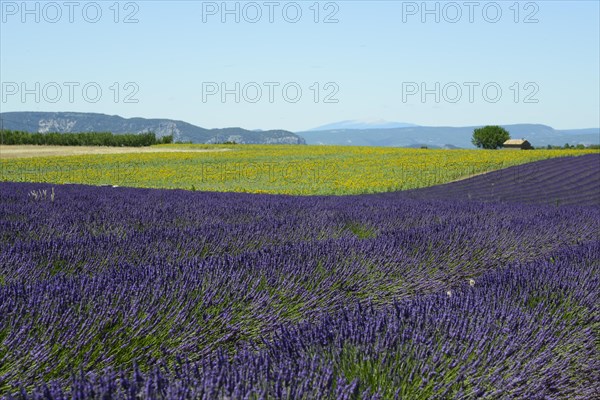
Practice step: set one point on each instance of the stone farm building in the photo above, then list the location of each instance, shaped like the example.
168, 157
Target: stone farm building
521, 144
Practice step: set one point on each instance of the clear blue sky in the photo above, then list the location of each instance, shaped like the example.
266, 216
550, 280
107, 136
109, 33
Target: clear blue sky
376, 59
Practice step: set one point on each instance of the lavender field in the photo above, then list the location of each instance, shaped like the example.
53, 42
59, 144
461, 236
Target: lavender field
484, 288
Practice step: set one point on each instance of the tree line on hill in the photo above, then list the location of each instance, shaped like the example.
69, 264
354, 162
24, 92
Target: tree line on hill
9, 137
573, 146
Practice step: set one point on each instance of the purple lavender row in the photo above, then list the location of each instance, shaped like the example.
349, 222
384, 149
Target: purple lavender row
96, 278
556, 181
524, 331
88, 230
79, 295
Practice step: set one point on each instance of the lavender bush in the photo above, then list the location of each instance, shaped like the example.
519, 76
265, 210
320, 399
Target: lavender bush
134, 293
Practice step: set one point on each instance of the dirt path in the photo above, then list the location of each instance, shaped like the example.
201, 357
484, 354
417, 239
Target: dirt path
24, 151
470, 176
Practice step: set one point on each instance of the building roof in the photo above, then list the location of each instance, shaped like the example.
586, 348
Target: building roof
514, 142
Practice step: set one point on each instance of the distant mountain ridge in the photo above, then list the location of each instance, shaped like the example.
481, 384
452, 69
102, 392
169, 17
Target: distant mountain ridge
377, 134
65, 122
447, 137
363, 124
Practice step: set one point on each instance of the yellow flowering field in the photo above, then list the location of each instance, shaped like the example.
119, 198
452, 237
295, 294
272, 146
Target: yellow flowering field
281, 169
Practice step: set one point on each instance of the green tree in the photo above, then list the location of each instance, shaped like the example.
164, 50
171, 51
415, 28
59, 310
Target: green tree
490, 137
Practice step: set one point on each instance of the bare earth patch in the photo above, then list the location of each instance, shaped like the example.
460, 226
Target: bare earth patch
24, 151
468, 177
